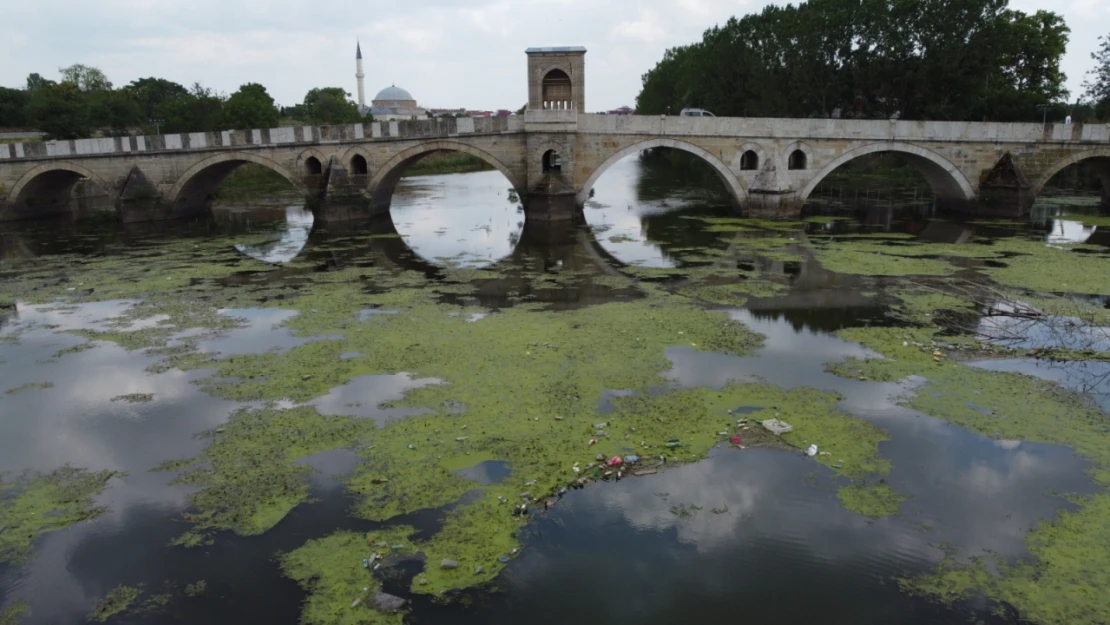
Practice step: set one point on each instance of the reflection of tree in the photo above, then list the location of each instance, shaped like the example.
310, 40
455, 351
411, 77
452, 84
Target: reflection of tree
668, 174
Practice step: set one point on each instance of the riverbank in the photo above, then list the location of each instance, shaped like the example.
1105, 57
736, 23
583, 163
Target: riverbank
438, 163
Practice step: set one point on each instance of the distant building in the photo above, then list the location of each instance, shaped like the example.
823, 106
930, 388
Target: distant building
394, 102
391, 103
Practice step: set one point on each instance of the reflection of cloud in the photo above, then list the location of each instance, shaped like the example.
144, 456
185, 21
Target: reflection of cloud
361, 397
1065, 231
293, 238
263, 332
623, 216
469, 229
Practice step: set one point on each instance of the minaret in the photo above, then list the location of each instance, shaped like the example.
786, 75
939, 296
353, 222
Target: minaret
361, 76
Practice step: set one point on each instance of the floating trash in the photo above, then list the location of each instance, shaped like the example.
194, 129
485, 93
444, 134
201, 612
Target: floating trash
776, 427
811, 451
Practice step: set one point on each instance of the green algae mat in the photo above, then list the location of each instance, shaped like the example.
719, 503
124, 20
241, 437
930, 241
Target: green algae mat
521, 385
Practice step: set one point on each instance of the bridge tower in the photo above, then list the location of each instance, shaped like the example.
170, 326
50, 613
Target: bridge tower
556, 96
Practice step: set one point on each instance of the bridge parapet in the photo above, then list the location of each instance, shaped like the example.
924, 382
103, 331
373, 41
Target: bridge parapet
842, 129
439, 128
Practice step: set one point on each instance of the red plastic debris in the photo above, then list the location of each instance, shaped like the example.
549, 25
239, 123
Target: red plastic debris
615, 461
735, 440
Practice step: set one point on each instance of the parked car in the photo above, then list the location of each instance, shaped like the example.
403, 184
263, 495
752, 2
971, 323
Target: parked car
695, 113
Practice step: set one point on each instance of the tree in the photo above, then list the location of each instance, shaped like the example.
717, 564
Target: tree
1097, 82
250, 107
12, 103
85, 78
199, 110
329, 105
59, 111
915, 59
115, 110
149, 93
36, 81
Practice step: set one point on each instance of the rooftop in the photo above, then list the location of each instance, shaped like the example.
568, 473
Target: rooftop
555, 49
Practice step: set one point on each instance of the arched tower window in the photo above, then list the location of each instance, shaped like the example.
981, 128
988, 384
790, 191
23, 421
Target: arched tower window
749, 160
312, 166
557, 90
358, 165
797, 160
552, 162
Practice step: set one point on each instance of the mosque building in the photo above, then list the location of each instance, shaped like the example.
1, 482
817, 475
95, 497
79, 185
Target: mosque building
391, 103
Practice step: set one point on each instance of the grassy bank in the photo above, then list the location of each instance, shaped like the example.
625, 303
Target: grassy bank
447, 163
249, 180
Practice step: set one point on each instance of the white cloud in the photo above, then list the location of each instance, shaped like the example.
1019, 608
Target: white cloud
446, 53
646, 29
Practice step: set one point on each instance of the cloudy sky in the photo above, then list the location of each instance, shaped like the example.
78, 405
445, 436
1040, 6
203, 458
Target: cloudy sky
447, 53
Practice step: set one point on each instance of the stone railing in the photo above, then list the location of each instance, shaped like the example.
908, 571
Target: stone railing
843, 129
265, 137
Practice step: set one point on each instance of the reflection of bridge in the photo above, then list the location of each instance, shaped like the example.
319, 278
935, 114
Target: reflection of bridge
552, 263
552, 155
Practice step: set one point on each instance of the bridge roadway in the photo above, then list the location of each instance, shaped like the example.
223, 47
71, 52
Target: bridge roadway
551, 157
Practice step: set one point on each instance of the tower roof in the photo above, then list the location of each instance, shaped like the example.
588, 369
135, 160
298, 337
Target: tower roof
358, 50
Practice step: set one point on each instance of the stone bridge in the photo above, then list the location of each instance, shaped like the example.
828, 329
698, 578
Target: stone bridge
552, 156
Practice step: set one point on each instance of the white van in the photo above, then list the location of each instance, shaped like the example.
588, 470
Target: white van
695, 113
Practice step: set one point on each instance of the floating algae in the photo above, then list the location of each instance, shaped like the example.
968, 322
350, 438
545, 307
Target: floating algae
247, 475
1052, 269
117, 601
33, 386
874, 500
134, 398
330, 570
11, 614
1066, 581
31, 506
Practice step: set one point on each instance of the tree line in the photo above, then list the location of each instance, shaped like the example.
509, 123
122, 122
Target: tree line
973, 60
84, 103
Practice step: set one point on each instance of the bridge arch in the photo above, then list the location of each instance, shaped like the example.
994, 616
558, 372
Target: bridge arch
51, 184
384, 181
735, 187
357, 161
198, 182
1101, 157
944, 178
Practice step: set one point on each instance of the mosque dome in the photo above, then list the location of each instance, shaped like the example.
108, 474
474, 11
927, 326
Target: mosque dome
394, 93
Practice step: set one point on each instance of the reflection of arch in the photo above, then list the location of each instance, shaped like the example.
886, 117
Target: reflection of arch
732, 183
56, 176
200, 180
945, 180
384, 181
1101, 156
542, 246
557, 91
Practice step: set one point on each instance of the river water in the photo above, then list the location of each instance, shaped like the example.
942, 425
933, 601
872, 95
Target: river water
754, 534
